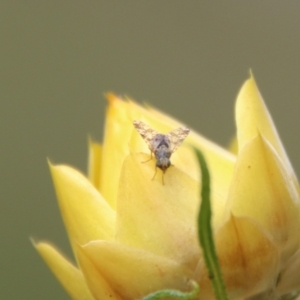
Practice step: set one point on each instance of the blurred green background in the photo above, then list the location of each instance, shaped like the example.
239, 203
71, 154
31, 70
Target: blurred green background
188, 58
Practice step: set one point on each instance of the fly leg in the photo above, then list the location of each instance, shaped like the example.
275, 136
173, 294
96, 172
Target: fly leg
148, 159
154, 173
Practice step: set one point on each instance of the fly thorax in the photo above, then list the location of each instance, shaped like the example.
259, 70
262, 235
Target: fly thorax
157, 140
162, 155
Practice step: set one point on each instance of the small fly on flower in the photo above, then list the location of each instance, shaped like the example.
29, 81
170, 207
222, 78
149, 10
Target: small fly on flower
161, 145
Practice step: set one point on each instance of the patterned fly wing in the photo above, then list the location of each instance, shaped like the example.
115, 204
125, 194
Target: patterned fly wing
161, 145
146, 132
177, 136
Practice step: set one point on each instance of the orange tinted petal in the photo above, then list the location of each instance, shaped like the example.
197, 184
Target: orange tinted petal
248, 259
263, 190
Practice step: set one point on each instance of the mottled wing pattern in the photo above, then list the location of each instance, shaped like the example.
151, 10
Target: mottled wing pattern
146, 132
177, 136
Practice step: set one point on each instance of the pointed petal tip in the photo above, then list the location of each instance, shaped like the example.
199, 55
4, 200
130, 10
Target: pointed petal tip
41, 245
251, 73
65, 271
250, 81
92, 141
49, 162
111, 98
63, 169
33, 242
53, 168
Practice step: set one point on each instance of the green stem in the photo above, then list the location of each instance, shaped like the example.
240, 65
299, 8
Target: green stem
205, 232
175, 294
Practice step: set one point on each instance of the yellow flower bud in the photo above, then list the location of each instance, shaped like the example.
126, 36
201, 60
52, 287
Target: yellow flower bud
133, 235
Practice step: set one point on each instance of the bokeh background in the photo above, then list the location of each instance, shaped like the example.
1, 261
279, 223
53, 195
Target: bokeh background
58, 58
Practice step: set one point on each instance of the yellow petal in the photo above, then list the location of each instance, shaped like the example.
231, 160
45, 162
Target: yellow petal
133, 272
67, 274
263, 190
158, 217
220, 161
252, 116
94, 163
248, 259
86, 215
96, 280
118, 129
